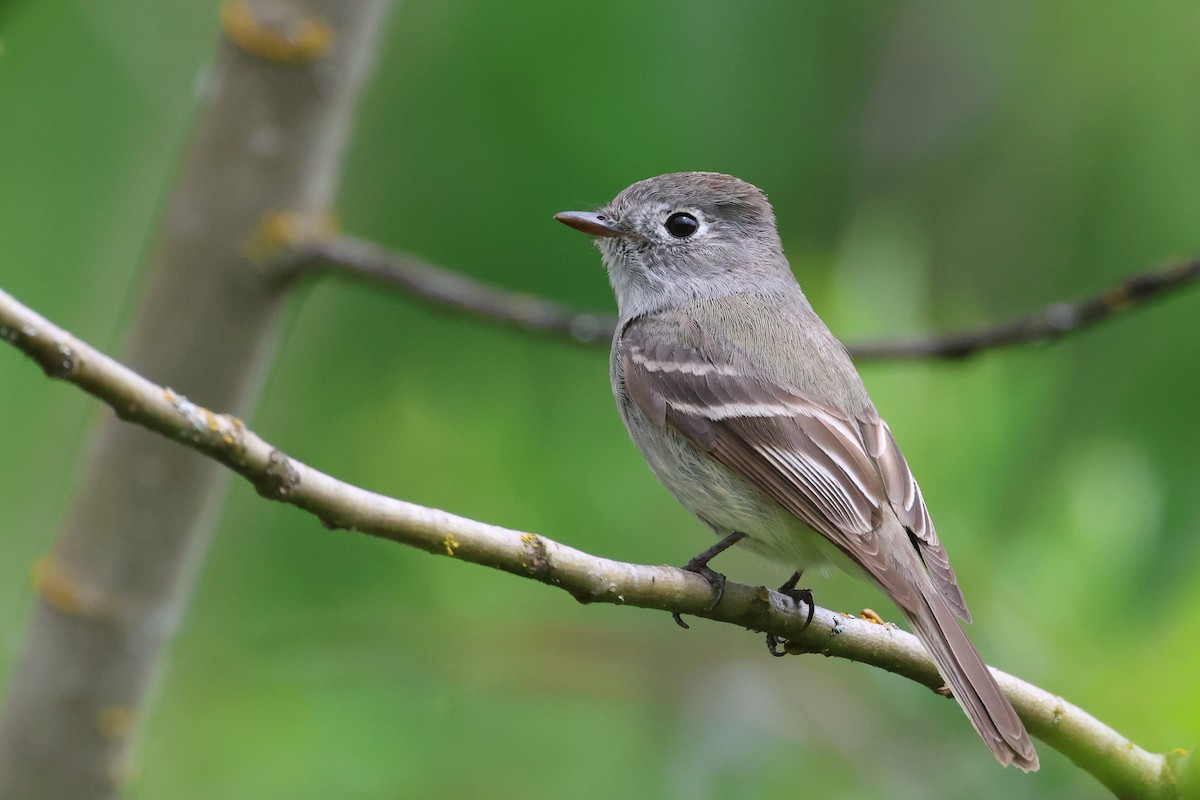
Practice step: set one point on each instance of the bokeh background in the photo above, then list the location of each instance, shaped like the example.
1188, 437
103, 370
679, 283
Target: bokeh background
933, 165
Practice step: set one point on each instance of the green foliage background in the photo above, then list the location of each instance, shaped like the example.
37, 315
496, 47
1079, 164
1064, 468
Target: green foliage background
933, 165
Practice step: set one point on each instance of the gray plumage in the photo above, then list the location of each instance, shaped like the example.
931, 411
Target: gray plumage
752, 414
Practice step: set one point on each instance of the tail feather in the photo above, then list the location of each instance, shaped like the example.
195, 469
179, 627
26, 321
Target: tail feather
971, 681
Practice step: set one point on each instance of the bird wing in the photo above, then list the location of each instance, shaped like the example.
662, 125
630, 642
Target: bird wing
834, 472
908, 503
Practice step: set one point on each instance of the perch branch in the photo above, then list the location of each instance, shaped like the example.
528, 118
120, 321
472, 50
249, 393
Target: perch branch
409, 275
1126, 769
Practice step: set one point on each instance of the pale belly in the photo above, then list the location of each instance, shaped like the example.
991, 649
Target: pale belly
729, 503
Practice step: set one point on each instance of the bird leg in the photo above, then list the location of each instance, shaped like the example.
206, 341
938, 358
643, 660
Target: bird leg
699, 565
798, 596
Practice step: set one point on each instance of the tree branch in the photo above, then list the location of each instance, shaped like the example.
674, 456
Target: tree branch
1127, 770
408, 275
1050, 323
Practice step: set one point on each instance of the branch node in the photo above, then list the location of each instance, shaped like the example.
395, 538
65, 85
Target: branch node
63, 363
277, 33
116, 722
281, 240
595, 592
58, 359
62, 592
584, 598
538, 565
128, 412
280, 477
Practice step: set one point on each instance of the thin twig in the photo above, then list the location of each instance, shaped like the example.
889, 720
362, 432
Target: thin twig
1124, 768
407, 274
1052, 322
353, 258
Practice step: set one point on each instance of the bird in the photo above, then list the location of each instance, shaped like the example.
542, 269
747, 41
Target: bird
751, 413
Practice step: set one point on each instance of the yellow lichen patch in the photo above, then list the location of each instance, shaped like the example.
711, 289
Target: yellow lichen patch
530, 539
169, 396
211, 419
288, 38
281, 231
1119, 299
870, 616
116, 722
763, 594
55, 588
451, 544
236, 425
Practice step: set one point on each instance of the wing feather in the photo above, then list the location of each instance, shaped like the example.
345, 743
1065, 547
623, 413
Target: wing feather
909, 504
835, 473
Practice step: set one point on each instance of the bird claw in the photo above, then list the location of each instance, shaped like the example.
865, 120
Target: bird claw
797, 596
699, 565
715, 579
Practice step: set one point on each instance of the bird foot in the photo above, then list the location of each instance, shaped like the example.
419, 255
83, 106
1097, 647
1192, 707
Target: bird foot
716, 580
776, 645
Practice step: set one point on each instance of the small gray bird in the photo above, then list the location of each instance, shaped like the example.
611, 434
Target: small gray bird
751, 413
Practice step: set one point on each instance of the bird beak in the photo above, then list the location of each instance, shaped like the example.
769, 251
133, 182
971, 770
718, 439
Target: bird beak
590, 223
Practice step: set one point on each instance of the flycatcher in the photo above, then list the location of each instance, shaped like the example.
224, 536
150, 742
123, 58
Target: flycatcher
752, 414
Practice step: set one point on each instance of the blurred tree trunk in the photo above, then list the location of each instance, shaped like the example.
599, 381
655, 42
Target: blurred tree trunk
279, 104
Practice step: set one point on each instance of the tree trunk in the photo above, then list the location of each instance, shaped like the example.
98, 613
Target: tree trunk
279, 105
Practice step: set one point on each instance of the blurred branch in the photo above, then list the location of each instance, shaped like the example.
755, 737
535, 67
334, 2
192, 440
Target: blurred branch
271, 134
408, 275
1127, 770
1052, 322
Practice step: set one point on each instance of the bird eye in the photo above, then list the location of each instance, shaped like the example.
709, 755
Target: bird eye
681, 225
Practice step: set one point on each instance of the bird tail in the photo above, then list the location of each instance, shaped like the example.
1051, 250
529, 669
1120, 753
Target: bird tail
971, 681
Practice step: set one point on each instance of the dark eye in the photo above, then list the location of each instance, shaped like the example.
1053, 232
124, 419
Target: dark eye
681, 225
